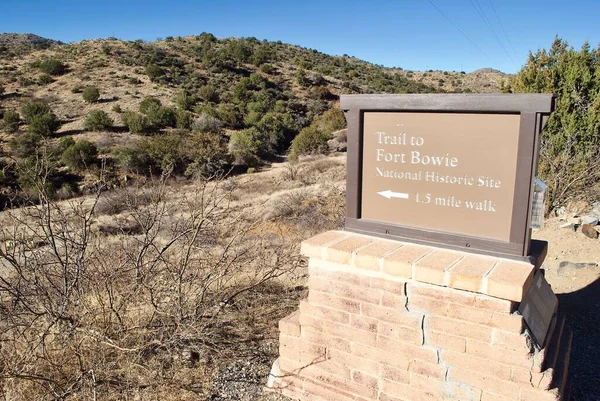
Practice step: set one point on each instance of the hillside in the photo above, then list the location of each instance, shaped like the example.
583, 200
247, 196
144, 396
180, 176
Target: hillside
484, 80
14, 44
243, 99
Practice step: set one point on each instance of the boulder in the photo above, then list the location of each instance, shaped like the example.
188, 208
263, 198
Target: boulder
589, 231
339, 142
568, 267
336, 146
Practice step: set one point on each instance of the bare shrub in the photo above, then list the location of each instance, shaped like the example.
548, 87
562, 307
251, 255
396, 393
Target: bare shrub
121, 226
315, 170
119, 200
309, 212
86, 316
291, 171
569, 177
341, 135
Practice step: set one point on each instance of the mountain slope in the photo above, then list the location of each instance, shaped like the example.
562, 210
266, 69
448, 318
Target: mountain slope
12, 44
262, 93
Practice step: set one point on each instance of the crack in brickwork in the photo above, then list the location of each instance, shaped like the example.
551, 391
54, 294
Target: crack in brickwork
387, 336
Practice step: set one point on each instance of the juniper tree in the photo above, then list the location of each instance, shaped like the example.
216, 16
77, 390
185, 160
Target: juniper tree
570, 146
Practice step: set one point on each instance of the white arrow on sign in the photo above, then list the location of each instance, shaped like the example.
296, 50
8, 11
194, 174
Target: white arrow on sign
389, 194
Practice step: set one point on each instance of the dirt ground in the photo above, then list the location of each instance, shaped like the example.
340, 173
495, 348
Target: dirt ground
578, 291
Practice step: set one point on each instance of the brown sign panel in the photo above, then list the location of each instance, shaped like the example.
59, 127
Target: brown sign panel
453, 170
450, 172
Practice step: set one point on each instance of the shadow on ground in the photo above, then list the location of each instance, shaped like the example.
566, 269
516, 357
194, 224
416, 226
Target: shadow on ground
582, 311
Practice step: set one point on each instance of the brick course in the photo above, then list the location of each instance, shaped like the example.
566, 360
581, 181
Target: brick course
389, 321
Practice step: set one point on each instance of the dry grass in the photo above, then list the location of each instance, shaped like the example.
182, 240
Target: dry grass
153, 324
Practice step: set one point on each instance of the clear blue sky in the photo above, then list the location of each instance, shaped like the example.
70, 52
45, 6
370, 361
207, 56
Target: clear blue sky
411, 34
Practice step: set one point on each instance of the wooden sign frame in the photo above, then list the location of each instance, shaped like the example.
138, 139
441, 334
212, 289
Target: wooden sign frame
533, 110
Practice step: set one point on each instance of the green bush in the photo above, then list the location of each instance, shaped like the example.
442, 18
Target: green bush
44, 124
330, 121
206, 108
45, 79
133, 160
310, 140
34, 108
570, 143
34, 176
207, 124
209, 155
162, 117
97, 120
166, 151
274, 128
185, 100
154, 72
301, 78
135, 122
230, 115
246, 146
149, 103
209, 93
51, 66
91, 94
267, 68
64, 144
252, 118
185, 119
81, 155
77, 89
10, 121
26, 145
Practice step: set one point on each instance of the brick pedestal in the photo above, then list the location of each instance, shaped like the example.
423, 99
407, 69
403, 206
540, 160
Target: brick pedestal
386, 320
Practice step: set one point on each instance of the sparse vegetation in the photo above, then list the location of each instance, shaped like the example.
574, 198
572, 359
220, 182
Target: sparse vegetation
224, 268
